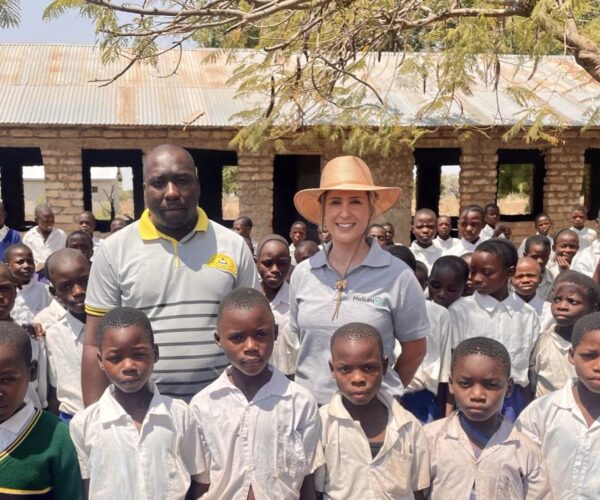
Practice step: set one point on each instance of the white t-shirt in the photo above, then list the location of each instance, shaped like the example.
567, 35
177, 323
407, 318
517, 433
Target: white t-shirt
586, 261
42, 249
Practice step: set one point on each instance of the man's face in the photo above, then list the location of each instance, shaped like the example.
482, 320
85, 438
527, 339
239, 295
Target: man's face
240, 228
389, 234
45, 222
171, 190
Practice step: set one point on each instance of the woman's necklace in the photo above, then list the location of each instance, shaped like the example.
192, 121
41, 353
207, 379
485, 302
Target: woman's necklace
340, 285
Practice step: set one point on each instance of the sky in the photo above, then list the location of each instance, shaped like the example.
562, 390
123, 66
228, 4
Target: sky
69, 28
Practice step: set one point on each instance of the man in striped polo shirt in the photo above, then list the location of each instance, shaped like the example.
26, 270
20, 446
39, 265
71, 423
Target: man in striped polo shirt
175, 265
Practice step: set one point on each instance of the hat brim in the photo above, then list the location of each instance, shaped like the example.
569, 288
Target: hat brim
307, 200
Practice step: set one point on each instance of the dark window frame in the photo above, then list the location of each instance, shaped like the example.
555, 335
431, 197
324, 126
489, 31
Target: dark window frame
592, 157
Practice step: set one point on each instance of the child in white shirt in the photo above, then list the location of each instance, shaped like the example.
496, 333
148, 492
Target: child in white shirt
470, 224
495, 313
586, 235
373, 447
260, 431
566, 423
134, 442
476, 453
526, 281
444, 228
424, 228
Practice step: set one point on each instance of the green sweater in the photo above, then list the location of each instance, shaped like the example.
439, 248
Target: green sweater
41, 463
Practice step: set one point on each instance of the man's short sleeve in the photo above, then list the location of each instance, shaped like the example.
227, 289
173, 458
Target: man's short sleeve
104, 290
247, 273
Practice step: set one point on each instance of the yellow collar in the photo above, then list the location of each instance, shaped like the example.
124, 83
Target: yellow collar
148, 230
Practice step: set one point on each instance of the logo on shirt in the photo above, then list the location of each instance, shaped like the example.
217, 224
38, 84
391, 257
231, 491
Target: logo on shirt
378, 301
222, 262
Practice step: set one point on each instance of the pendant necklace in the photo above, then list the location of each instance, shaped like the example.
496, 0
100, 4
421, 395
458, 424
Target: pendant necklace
340, 285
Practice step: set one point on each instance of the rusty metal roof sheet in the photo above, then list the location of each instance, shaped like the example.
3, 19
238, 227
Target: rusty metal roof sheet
60, 85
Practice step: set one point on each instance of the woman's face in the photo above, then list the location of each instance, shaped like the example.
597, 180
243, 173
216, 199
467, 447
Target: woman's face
346, 214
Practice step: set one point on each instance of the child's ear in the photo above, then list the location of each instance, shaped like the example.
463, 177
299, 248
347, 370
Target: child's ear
572, 355
217, 338
509, 387
511, 271
330, 368
33, 371
275, 332
99, 357
386, 362
450, 389
155, 351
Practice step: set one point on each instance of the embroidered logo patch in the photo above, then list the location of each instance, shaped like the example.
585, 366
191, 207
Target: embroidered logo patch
222, 262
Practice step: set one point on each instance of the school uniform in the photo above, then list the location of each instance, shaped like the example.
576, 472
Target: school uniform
509, 466
64, 343
270, 443
352, 469
550, 369
553, 270
446, 244
30, 300
50, 315
420, 395
292, 248
463, 247
511, 322
156, 462
546, 318
8, 237
545, 286
586, 236
521, 249
42, 248
426, 255
285, 349
37, 458
37, 391
537, 303
586, 260
570, 448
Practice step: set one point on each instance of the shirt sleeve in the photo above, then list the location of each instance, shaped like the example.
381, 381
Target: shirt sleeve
409, 314
310, 429
192, 451
104, 290
67, 483
205, 460
419, 477
76, 429
445, 350
529, 423
582, 264
536, 482
293, 324
247, 274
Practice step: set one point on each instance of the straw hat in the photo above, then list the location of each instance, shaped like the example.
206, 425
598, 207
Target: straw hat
345, 173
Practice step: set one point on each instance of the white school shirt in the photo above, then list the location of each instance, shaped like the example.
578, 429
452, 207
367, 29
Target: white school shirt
156, 462
586, 261
546, 318
445, 244
64, 343
30, 300
549, 368
12, 427
270, 443
42, 249
587, 236
511, 322
350, 471
521, 250
435, 368
285, 349
462, 247
37, 391
569, 447
50, 315
545, 286
426, 255
486, 233
510, 466
292, 256
537, 303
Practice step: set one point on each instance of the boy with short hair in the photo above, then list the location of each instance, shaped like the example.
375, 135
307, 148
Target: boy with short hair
495, 313
470, 224
297, 234
243, 226
44, 238
134, 432
444, 229
32, 295
37, 458
574, 296
260, 431
542, 224
539, 248
565, 423
424, 228
68, 271
492, 228
586, 235
476, 452
87, 224
377, 234
305, 250
373, 447
80, 240
448, 280
566, 245
526, 281
390, 232
587, 260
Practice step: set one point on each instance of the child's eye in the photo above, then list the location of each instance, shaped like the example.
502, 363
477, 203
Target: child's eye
8, 380
464, 383
261, 334
343, 369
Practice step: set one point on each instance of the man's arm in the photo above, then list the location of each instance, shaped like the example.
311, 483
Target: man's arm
413, 353
93, 380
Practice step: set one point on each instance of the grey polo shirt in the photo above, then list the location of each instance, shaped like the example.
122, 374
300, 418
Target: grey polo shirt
179, 285
382, 291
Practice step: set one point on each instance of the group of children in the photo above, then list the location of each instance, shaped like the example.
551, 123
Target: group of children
254, 433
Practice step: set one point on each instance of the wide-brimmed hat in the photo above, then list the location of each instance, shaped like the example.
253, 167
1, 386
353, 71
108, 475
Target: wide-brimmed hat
344, 173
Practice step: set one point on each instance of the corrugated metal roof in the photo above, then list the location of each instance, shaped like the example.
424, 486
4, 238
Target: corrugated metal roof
59, 85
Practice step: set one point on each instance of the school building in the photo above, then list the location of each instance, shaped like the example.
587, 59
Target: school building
55, 113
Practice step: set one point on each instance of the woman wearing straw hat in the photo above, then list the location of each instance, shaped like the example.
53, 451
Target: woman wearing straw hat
351, 280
